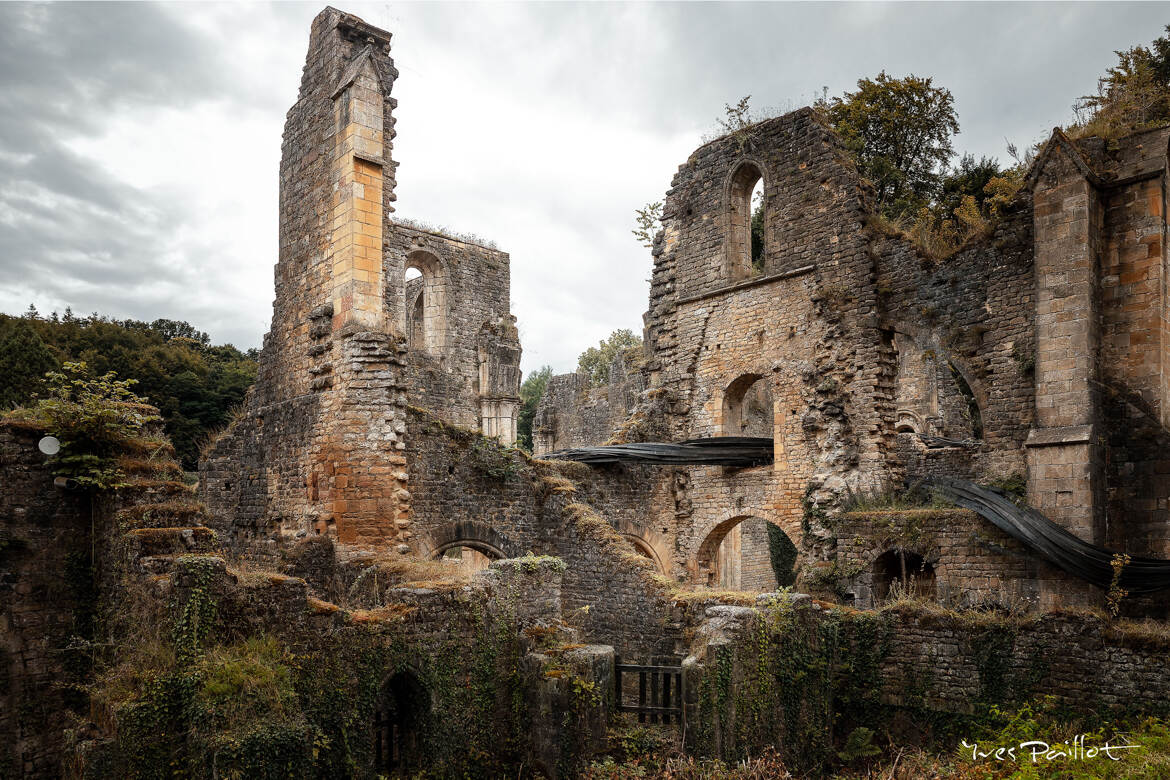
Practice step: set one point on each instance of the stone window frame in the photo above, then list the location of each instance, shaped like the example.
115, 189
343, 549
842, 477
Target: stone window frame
737, 256
733, 397
434, 299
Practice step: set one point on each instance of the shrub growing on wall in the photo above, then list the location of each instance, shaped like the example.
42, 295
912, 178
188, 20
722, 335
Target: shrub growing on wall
94, 417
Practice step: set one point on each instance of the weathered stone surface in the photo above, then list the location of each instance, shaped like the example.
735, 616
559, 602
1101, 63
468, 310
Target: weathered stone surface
319, 445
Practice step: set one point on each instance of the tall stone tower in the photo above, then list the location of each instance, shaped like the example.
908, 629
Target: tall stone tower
321, 444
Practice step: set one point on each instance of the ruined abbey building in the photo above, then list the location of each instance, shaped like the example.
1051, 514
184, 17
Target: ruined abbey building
320, 546
1040, 353
321, 446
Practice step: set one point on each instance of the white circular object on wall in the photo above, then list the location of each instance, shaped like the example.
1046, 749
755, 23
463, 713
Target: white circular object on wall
49, 445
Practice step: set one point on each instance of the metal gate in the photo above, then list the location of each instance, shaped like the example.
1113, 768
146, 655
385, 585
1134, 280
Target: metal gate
658, 694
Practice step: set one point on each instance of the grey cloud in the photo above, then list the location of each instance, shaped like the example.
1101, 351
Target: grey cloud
70, 231
74, 231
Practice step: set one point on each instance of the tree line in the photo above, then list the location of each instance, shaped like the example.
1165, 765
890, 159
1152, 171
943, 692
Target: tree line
195, 385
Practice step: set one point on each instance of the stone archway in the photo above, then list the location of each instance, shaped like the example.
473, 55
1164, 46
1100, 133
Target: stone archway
751, 552
466, 533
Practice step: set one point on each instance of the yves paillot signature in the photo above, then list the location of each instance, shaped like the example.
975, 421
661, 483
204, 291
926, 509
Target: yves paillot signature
1038, 751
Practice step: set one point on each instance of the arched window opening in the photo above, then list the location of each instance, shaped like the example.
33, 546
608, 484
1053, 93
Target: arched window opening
747, 241
403, 707
971, 411
424, 303
747, 407
467, 559
747, 553
901, 572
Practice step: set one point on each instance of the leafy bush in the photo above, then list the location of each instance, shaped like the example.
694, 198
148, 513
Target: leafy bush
94, 417
194, 384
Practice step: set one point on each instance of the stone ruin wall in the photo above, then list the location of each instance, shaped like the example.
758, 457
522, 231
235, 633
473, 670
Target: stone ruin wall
319, 447
904, 670
437, 633
44, 559
477, 496
574, 413
872, 353
463, 346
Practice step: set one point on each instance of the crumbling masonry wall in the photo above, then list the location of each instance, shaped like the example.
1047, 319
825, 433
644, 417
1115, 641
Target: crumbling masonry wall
790, 674
46, 598
1036, 352
319, 445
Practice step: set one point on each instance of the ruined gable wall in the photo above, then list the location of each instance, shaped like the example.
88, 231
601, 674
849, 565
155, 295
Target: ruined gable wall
851, 327
806, 323
473, 358
317, 447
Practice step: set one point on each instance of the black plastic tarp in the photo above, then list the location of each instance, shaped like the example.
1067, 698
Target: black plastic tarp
735, 451
1052, 542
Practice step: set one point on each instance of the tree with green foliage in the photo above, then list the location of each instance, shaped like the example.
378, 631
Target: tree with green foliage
969, 178
1133, 95
24, 361
92, 417
595, 361
196, 386
531, 391
899, 132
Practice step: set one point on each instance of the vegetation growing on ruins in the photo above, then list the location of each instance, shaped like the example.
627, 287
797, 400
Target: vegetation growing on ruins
194, 385
94, 418
899, 131
647, 221
531, 391
595, 362
1132, 96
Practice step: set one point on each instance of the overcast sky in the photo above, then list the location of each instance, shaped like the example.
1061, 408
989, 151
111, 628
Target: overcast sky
139, 144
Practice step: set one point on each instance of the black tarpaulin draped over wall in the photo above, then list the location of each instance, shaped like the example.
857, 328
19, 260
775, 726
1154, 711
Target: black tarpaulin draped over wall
736, 451
1052, 542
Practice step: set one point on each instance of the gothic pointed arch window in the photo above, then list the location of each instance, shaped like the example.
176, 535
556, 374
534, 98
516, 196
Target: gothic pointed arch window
425, 303
747, 216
